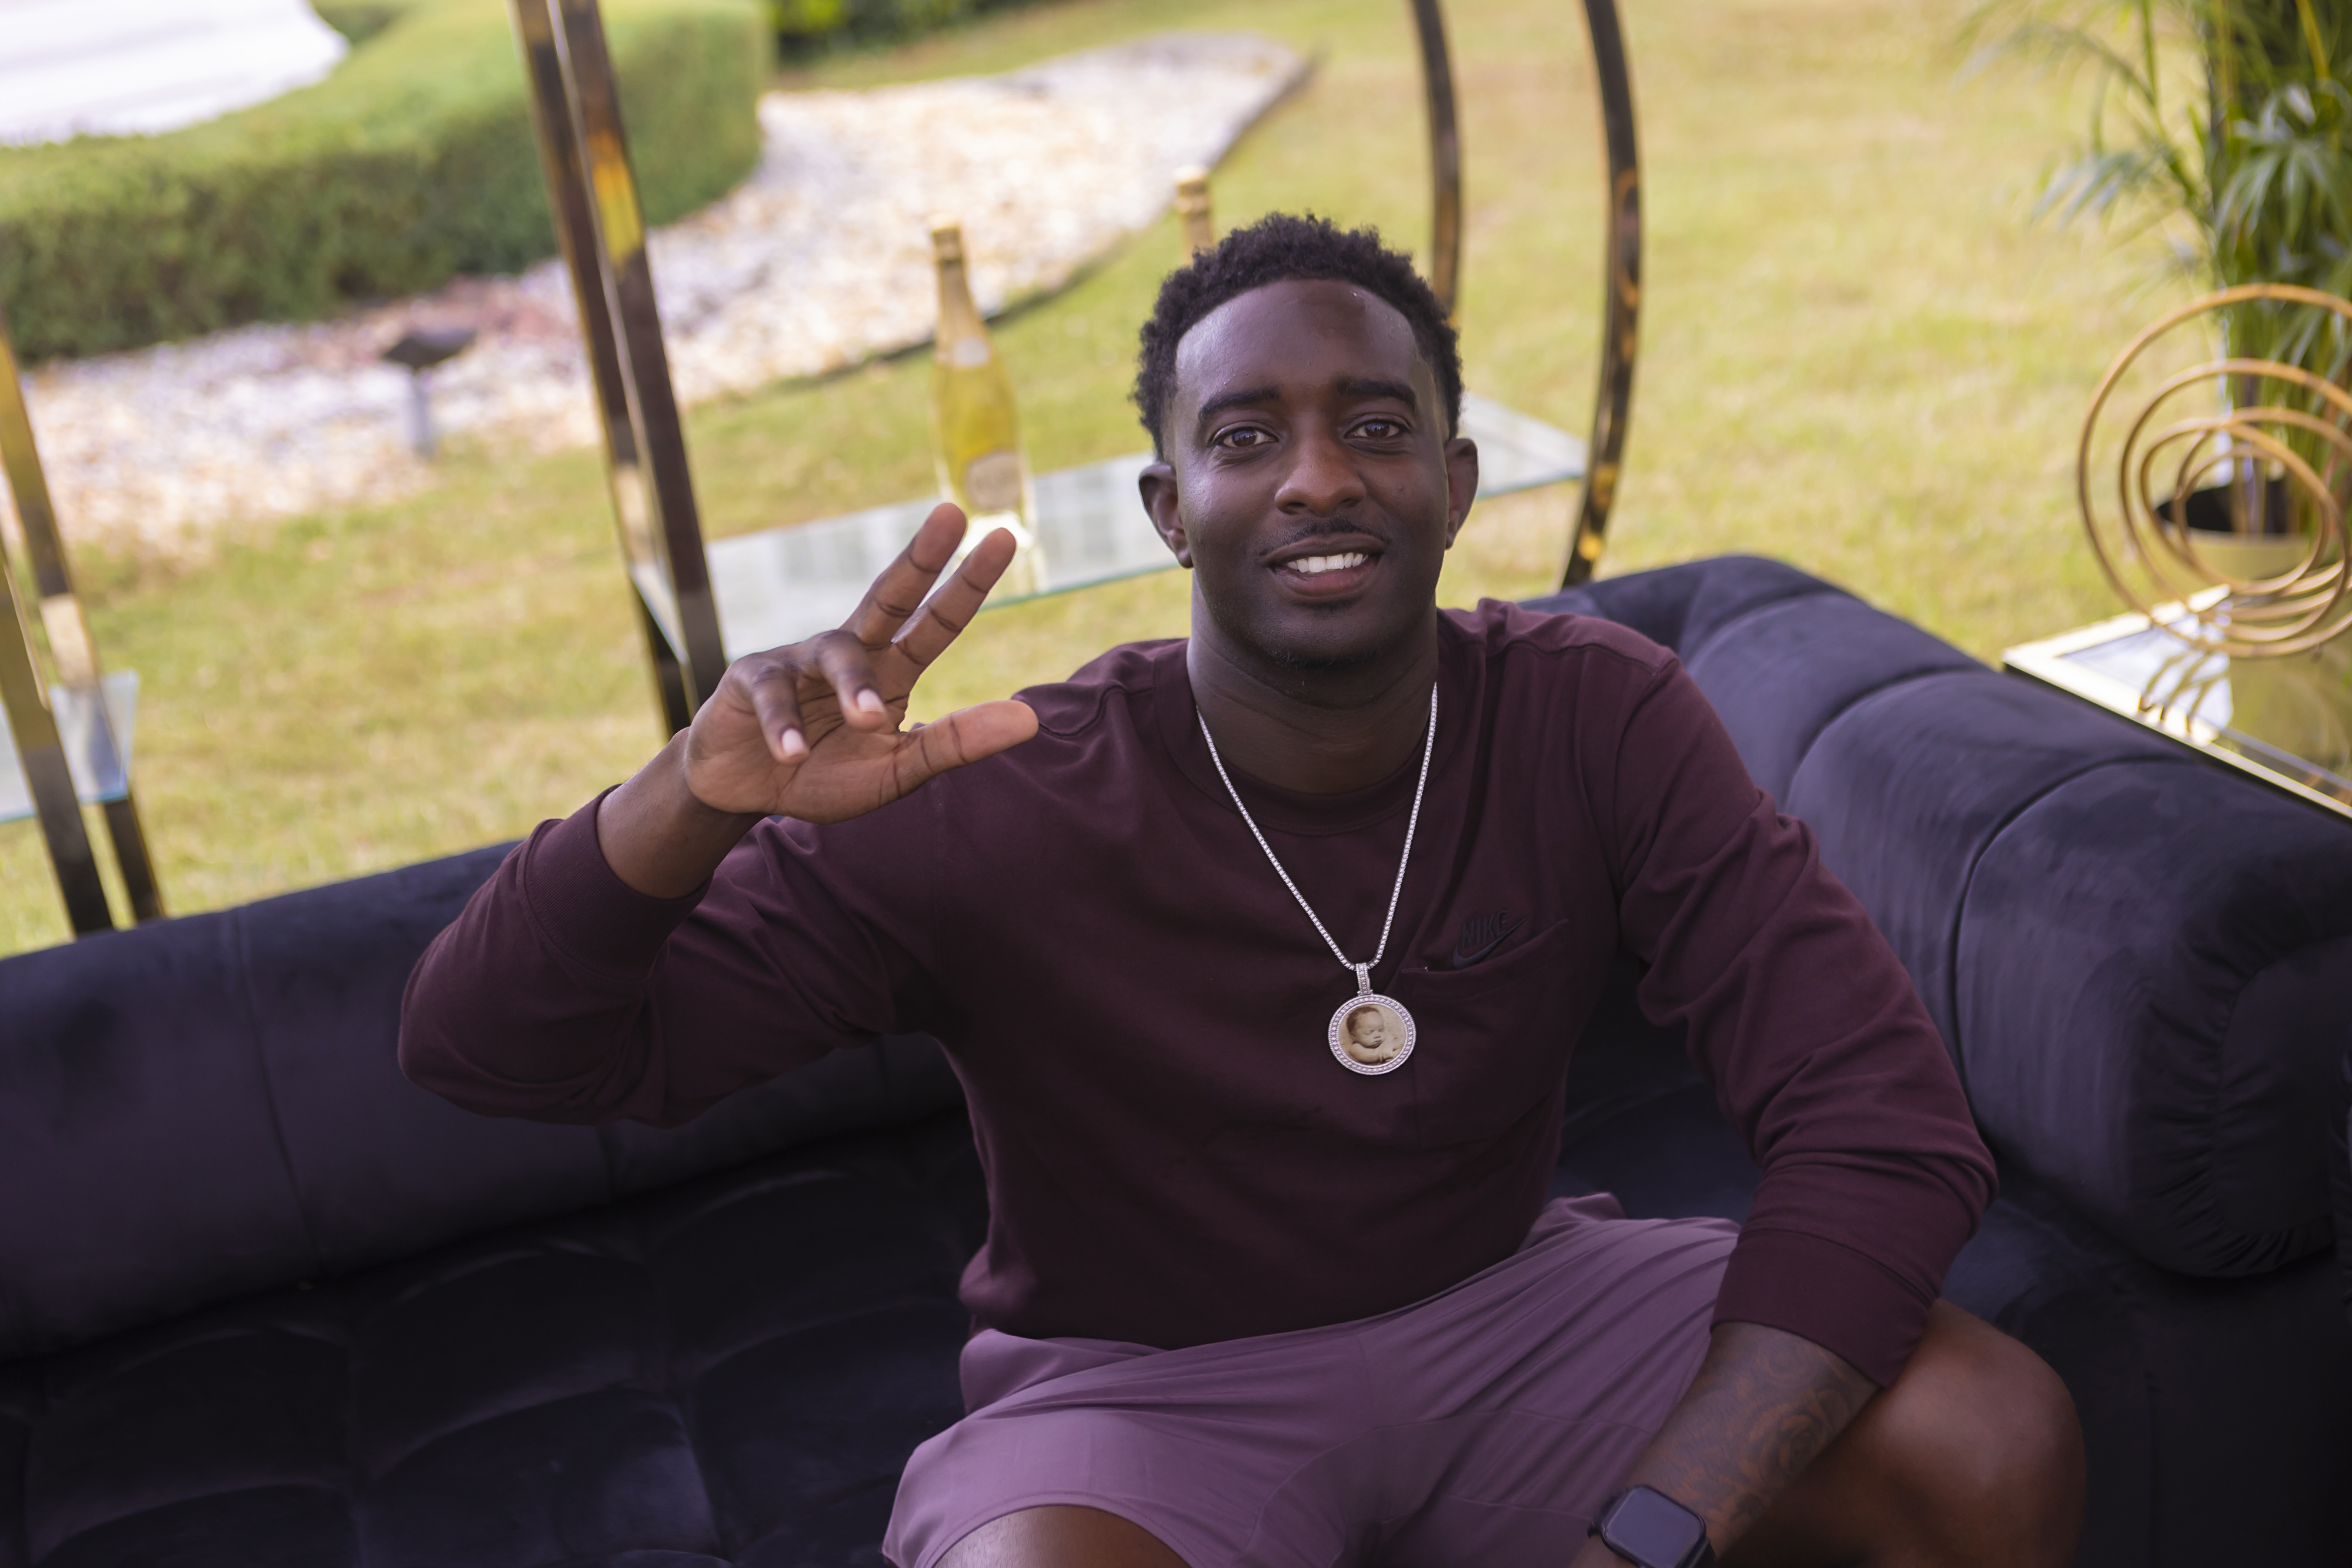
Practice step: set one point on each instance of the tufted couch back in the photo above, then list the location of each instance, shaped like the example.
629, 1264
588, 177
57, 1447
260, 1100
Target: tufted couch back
2141, 963
203, 1109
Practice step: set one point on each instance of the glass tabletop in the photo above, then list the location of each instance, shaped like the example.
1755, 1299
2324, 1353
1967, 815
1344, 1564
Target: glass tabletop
2288, 721
99, 774
783, 584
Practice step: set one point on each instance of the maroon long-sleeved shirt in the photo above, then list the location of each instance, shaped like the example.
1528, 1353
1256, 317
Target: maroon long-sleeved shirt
1137, 1009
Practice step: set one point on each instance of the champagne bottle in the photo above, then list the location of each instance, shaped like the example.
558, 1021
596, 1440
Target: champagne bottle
975, 434
1192, 206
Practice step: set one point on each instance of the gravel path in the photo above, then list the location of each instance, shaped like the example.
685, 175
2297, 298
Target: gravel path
819, 260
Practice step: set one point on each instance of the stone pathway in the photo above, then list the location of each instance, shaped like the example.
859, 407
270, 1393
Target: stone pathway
819, 260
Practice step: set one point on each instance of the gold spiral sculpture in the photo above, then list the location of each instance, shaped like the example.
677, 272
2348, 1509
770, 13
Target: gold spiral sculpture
2148, 550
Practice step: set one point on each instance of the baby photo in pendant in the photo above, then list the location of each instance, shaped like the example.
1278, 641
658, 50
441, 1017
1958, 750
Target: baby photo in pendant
1371, 1034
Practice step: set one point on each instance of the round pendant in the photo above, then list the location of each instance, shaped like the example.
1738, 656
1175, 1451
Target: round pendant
1372, 1034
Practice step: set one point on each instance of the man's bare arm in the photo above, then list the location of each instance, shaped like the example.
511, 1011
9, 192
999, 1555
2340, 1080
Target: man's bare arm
1764, 1406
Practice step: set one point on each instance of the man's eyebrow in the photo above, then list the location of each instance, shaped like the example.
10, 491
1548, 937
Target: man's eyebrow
1362, 387
1241, 398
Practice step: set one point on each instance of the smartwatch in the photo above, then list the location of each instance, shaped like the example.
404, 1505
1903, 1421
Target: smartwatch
1651, 1530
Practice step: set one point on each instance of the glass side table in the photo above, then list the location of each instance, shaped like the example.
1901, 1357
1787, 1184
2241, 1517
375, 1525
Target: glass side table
101, 773
2286, 721
782, 584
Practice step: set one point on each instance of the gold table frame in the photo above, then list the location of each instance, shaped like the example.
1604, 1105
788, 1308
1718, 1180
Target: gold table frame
600, 222
25, 695
2188, 696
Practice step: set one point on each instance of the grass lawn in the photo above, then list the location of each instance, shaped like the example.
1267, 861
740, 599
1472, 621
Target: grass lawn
1857, 356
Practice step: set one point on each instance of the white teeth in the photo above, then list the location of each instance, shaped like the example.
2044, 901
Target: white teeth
1312, 564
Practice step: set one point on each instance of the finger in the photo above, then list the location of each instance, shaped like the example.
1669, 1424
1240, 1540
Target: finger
963, 738
772, 689
951, 610
841, 659
898, 591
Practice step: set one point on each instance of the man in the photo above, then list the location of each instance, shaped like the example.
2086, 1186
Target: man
1247, 1298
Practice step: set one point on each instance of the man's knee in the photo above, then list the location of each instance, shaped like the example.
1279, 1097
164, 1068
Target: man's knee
1059, 1536
1972, 1459
1979, 1438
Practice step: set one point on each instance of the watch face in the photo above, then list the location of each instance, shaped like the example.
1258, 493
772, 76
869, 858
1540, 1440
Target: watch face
1652, 1528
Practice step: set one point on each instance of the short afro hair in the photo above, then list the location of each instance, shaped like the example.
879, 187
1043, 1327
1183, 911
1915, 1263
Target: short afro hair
1282, 248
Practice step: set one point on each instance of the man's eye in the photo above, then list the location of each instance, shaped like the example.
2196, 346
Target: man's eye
1244, 437
1380, 429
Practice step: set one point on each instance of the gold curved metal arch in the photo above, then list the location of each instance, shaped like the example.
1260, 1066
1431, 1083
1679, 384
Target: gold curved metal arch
1445, 154
1621, 299
600, 228
1621, 289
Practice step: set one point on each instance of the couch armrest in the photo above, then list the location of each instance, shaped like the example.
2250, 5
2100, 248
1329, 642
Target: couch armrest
2340, 1174
2141, 961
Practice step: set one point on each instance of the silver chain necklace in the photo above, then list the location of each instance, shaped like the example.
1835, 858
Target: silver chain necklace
1371, 1034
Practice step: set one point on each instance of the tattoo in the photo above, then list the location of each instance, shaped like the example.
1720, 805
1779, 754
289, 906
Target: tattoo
1764, 1406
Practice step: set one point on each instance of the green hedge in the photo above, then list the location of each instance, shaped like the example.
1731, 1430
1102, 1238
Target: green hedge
413, 161
808, 26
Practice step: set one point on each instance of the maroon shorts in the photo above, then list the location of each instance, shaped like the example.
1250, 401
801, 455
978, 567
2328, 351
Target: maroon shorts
1485, 1424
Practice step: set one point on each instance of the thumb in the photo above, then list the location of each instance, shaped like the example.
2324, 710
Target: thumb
965, 737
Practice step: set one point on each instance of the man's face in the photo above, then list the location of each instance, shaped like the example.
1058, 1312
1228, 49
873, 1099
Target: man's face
1309, 482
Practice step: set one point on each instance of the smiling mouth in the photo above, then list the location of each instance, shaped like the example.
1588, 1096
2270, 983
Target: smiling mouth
1332, 577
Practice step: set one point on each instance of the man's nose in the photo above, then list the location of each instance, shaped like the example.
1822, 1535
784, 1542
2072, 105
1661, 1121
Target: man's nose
1322, 480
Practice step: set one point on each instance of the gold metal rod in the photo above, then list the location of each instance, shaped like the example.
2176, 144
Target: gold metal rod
1604, 452
130, 854
1444, 154
572, 203
43, 755
71, 646
644, 356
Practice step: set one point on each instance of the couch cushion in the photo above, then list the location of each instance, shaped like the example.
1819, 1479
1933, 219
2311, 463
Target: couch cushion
211, 1106
734, 1370
1785, 671
2130, 949
1779, 654
1907, 788
2339, 1172
2170, 949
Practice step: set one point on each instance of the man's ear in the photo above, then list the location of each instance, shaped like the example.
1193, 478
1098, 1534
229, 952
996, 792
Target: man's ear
1158, 484
1461, 484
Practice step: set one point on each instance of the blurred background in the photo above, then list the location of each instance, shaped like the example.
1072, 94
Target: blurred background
1861, 353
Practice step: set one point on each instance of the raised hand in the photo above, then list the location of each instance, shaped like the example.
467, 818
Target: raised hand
812, 730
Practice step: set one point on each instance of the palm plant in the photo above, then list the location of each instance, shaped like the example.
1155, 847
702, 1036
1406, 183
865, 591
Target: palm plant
2221, 126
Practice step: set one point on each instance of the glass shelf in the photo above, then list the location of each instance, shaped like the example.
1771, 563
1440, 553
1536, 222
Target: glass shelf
98, 775
2286, 721
782, 585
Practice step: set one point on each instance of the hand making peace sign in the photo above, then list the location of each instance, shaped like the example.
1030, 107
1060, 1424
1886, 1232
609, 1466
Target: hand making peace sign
812, 730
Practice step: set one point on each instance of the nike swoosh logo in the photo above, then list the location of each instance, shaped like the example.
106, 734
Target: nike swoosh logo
1502, 926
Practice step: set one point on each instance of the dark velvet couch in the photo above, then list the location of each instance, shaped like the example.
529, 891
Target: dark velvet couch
262, 1302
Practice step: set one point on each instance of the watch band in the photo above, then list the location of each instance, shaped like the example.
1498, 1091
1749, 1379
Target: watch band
1650, 1530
